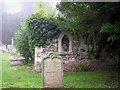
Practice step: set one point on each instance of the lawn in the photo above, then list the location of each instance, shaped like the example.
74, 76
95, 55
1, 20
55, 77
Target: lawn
24, 77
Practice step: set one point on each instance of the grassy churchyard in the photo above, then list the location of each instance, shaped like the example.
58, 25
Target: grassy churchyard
24, 77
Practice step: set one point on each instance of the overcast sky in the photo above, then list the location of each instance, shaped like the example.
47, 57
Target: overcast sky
14, 6
12, 12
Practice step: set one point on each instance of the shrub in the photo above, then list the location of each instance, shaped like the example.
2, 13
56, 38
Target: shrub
40, 29
113, 32
82, 67
35, 31
21, 41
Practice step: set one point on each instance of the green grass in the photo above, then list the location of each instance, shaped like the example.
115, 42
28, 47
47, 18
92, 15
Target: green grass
89, 80
24, 77
19, 76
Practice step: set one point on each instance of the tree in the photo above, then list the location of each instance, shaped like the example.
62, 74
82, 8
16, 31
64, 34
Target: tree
36, 30
113, 32
110, 38
45, 9
86, 19
21, 41
40, 29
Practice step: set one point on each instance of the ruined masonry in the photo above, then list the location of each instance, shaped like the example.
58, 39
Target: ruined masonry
65, 45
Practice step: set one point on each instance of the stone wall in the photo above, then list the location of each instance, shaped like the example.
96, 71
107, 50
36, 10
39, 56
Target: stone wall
77, 50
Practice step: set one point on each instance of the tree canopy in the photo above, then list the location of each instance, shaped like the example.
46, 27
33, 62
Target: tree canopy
36, 30
86, 19
40, 29
21, 41
97, 23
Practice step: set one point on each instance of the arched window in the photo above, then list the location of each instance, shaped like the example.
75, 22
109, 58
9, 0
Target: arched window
65, 43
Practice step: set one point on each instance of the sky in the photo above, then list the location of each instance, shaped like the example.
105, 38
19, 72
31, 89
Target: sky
14, 6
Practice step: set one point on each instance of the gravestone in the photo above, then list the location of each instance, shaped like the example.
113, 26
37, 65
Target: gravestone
13, 53
15, 59
10, 47
3, 48
52, 71
38, 58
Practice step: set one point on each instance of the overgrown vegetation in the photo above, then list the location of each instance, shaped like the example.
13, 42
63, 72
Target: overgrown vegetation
36, 30
113, 32
40, 29
82, 67
21, 41
97, 23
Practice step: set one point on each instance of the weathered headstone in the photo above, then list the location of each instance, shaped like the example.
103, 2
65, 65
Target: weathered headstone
38, 57
15, 59
9, 47
3, 48
52, 71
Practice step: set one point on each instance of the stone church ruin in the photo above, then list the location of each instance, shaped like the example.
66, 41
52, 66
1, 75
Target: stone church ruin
67, 46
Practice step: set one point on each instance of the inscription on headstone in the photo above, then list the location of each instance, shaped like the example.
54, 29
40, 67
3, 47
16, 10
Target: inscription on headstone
52, 71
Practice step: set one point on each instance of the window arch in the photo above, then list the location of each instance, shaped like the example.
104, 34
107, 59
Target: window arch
65, 43
61, 38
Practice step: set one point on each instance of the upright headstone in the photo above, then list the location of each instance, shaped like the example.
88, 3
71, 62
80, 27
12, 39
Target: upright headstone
38, 58
4, 49
52, 71
13, 53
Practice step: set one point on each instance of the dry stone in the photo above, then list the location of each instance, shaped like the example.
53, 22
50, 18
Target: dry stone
77, 50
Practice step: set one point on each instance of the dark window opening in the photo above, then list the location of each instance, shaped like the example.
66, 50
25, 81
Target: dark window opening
65, 43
